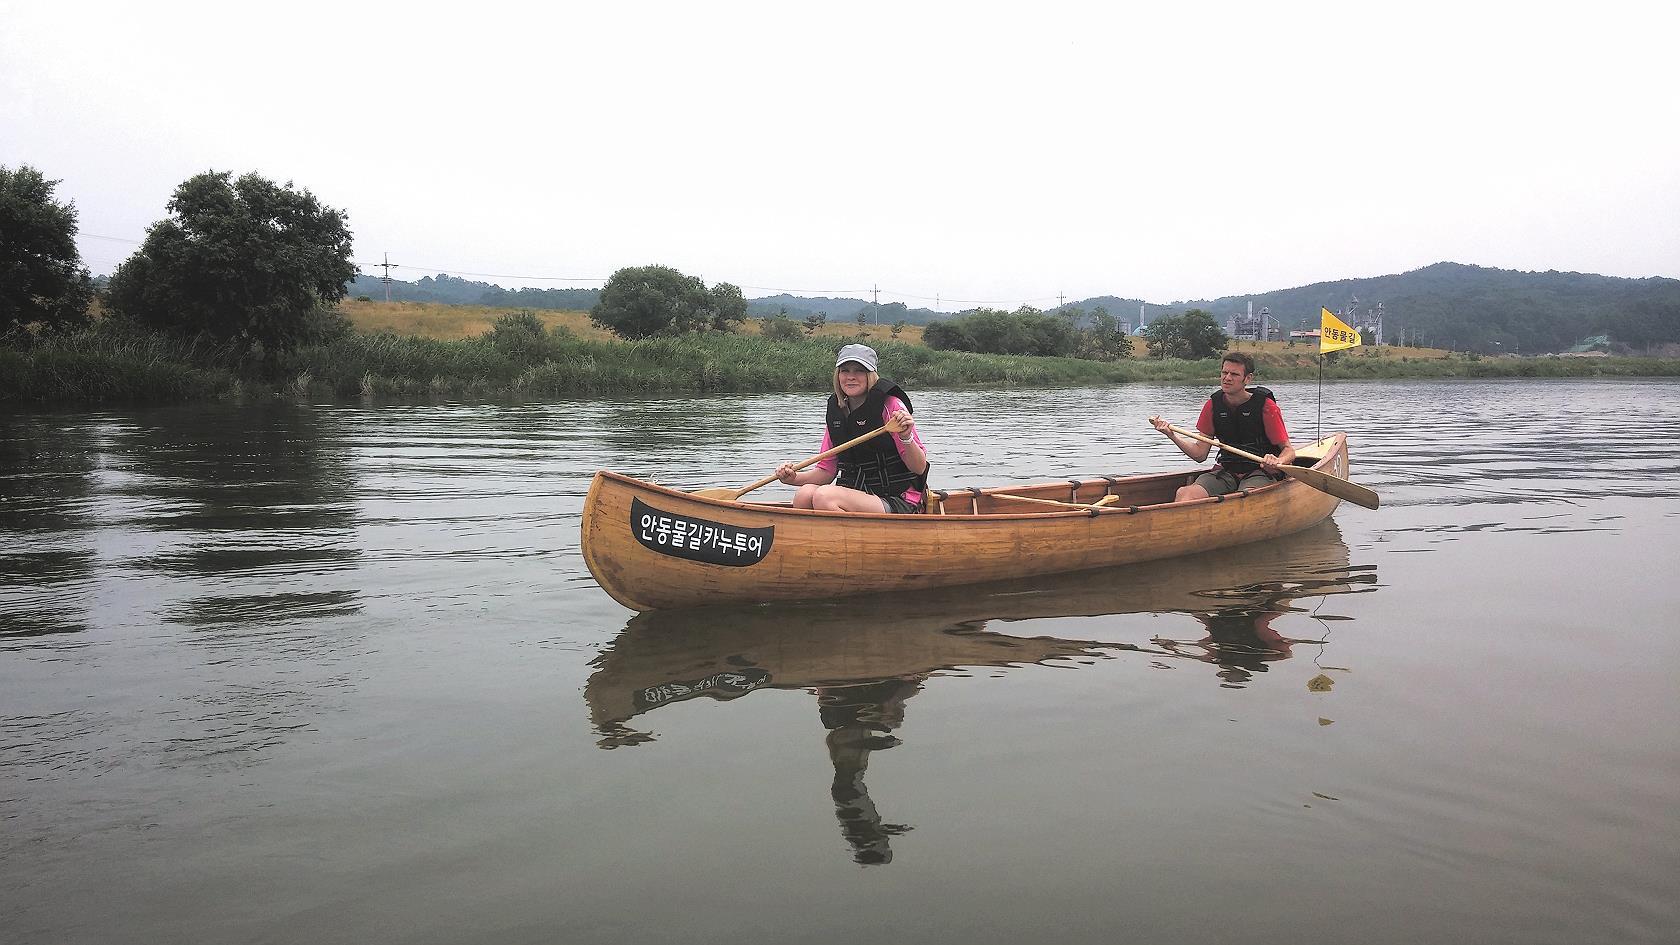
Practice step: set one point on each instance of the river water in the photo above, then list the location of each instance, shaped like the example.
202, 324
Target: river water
337, 673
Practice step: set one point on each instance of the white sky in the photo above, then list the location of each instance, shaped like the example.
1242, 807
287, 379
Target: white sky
967, 152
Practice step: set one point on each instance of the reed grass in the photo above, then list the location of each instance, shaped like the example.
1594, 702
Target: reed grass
532, 355
110, 362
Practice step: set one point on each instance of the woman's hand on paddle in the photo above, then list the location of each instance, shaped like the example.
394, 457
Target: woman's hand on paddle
906, 424
786, 473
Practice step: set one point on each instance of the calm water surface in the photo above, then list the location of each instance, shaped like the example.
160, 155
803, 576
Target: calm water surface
338, 674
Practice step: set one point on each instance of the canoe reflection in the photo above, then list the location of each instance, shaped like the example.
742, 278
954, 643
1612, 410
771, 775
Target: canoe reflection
864, 657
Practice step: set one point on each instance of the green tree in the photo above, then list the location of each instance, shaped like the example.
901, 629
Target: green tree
781, 328
951, 335
814, 321
244, 260
1190, 336
990, 331
650, 301
1104, 341
42, 280
729, 307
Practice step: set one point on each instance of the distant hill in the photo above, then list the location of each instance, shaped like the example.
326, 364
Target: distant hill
453, 290
1126, 310
1449, 305
1479, 309
839, 310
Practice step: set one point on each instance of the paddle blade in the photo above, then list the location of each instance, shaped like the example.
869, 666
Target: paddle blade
1334, 485
718, 492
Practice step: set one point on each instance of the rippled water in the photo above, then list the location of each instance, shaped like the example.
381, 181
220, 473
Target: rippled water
338, 674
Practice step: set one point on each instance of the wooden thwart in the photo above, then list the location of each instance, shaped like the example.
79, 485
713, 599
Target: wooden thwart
1100, 503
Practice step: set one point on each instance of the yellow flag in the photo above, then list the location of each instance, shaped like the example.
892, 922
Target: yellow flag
1334, 334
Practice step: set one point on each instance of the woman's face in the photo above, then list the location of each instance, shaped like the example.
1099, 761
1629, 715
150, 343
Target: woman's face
854, 379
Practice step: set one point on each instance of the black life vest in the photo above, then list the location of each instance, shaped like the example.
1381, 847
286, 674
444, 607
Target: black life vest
874, 467
1243, 427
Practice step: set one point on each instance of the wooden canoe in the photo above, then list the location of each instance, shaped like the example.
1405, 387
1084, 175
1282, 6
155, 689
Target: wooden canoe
654, 548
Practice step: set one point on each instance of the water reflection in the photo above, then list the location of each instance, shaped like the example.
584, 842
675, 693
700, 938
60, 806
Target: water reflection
229, 530
47, 471
864, 658
1240, 640
860, 719
247, 501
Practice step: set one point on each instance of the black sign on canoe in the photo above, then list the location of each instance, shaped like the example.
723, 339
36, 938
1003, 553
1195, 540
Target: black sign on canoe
697, 539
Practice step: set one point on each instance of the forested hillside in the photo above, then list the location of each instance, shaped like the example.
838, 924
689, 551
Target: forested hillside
839, 310
452, 290
1489, 310
1446, 305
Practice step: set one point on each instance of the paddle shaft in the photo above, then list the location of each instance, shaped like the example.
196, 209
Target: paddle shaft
843, 447
1192, 434
1316, 478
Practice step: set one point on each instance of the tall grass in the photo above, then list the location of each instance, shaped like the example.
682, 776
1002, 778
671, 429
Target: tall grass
521, 356
113, 362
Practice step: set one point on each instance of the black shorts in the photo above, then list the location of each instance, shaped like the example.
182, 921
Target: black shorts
898, 505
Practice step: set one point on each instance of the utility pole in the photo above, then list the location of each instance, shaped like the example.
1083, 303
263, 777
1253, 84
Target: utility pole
875, 305
386, 265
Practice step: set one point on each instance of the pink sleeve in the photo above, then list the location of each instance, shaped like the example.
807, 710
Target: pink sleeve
893, 403
913, 496
832, 463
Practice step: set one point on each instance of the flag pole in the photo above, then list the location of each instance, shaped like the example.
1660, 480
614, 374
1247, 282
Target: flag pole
1333, 335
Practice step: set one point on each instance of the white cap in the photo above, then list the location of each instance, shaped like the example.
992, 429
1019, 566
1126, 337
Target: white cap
862, 354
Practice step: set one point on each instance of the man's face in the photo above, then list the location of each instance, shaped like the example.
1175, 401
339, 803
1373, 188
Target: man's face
1232, 378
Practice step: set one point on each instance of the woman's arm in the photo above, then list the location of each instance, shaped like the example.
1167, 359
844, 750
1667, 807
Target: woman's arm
910, 447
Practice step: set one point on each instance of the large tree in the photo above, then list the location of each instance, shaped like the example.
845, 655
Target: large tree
1191, 336
645, 301
245, 260
42, 280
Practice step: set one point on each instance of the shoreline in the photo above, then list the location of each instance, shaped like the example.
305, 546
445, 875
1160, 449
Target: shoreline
521, 358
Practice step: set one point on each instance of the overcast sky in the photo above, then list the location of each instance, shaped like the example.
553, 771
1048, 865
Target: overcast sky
959, 152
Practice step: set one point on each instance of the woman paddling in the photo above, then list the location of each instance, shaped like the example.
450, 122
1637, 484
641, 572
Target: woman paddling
886, 474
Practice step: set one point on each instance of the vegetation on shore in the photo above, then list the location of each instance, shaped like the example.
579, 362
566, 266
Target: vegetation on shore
239, 293
521, 357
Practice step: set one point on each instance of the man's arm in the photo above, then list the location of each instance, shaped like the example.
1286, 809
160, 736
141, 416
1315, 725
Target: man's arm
1195, 449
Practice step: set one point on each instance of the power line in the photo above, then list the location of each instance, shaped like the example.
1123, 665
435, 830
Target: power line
446, 271
875, 291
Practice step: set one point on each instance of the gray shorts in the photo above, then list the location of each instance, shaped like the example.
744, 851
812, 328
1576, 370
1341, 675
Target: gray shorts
898, 505
1220, 482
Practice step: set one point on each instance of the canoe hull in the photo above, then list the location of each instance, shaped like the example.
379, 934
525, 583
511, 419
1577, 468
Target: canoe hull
653, 548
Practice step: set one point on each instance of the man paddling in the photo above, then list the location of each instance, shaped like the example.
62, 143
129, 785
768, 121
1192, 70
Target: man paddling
1240, 416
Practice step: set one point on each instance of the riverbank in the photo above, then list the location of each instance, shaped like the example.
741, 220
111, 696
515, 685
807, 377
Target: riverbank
524, 356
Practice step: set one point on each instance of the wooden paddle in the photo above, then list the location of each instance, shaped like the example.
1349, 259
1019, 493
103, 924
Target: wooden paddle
730, 495
1322, 481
